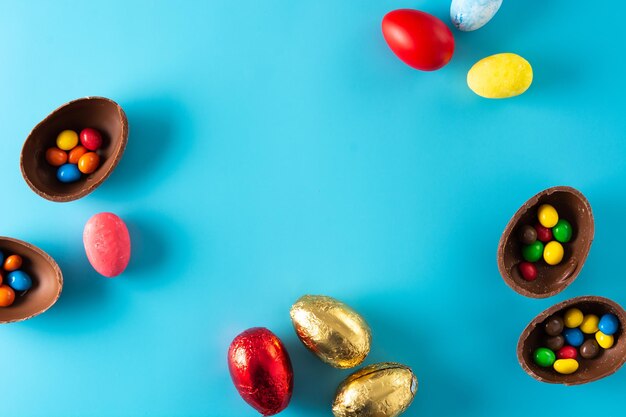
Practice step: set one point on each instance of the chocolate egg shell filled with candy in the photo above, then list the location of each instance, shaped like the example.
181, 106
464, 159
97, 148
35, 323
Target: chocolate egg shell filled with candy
604, 364
551, 279
261, 370
47, 281
379, 390
91, 112
330, 329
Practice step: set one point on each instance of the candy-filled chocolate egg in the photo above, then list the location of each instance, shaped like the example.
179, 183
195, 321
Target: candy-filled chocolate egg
107, 244
468, 15
582, 361
379, 390
549, 279
261, 370
330, 329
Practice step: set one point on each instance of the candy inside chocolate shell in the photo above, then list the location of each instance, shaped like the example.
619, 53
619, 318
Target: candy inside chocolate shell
606, 363
572, 206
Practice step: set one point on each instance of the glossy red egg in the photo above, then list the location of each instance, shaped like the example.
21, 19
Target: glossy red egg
261, 370
419, 39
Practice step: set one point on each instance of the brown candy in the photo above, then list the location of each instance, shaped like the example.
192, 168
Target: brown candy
554, 326
527, 234
589, 349
555, 343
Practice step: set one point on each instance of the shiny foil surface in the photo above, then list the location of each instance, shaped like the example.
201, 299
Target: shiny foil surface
333, 331
379, 390
261, 370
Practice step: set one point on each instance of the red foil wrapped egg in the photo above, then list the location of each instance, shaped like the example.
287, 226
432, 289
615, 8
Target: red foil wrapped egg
261, 370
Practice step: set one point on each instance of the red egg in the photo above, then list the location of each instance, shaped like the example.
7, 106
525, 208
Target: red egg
107, 244
543, 233
419, 39
90, 139
261, 370
567, 352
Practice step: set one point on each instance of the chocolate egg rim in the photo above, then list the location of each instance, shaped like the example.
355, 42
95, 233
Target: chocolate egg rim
57, 276
508, 234
572, 379
119, 146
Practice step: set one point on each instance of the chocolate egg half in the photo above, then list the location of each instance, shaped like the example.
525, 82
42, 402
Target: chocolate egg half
572, 206
47, 281
330, 329
379, 390
608, 361
99, 113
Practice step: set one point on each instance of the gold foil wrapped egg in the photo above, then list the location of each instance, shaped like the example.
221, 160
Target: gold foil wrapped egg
379, 390
333, 331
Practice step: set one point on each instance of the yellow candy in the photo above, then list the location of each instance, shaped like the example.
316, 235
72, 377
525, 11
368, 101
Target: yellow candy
67, 140
590, 324
604, 340
548, 217
565, 366
500, 76
553, 253
573, 318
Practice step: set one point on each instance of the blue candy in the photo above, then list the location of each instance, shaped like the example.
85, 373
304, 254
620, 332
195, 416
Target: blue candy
608, 324
468, 15
573, 337
1, 257
68, 173
19, 280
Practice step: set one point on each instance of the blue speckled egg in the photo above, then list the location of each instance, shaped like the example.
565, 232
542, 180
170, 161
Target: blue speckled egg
468, 15
19, 280
68, 173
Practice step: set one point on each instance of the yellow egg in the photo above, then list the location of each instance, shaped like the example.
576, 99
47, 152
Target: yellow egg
553, 253
67, 140
547, 216
590, 324
500, 76
604, 340
565, 366
573, 318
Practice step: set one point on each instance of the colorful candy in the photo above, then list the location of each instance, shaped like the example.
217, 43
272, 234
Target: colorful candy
553, 253
12, 263
56, 157
500, 76
67, 139
533, 252
19, 280
88, 163
589, 349
76, 153
554, 326
548, 216
68, 173
589, 324
573, 318
527, 234
7, 295
562, 231
608, 324
528, 270
81, 159
468, 15
544, 357
91, 139
574, 337
107, 244
567, 352
543, 233
604, 340
566, 366
12, 279
555, 342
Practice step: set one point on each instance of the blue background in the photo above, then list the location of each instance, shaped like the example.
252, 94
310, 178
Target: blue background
278, 148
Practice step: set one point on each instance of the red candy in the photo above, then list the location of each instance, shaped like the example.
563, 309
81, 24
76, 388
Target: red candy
419, 39
261, 370
543, 233
528, 271
567, 352
90, 139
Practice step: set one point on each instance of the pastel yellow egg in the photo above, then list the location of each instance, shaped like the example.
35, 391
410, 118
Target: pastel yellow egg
553, 253
547, 216
565, 366
67, 140
500, 76
590, 324
573, 318
604, 340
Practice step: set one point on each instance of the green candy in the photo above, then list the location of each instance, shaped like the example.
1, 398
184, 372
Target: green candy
533, 252
562, 231
544, 357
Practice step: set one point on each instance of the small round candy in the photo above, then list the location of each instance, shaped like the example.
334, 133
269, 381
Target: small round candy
562, 231
573, 337
67, 140
527, 270
7, 295
566, 366
589, 324
13, 262
547, 216
527, 235
68, 173
19, 280
608, 324
533, 252
555, 342
604, 340
544, 357
554, 326
567, 352
1, 257
573, 318
1, 276
543, 233
56, 157
88, 163
91, 139
76, 153
553, 253
590, 349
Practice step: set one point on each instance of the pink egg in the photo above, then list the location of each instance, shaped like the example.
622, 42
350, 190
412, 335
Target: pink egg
107, 244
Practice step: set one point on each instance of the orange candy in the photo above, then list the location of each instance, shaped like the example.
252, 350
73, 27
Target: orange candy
76, 153
56, 157
88, 163
1, 277
13, 262
7, 296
